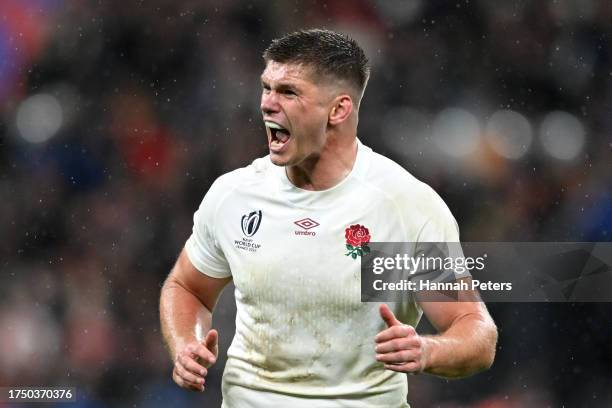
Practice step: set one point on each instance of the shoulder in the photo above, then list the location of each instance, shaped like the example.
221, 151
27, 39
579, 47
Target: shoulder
244, 178
236, 184
417, 202
394, 181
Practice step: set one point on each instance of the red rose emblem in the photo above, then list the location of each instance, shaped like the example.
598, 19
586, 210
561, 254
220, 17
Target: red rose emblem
357, 235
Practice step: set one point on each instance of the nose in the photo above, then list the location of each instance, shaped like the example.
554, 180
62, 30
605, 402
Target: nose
269, 102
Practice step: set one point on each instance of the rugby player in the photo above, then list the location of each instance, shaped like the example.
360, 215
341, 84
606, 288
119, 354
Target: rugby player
289, 231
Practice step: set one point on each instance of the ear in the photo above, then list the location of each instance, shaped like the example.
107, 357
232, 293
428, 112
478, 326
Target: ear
341, 109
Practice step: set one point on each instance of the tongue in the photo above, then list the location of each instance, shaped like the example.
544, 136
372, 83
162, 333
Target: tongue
282, 136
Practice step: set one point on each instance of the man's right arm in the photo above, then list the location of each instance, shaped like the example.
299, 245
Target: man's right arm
188, 298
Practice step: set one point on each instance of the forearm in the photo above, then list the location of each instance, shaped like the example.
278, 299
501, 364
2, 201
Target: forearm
183, 316
467, 347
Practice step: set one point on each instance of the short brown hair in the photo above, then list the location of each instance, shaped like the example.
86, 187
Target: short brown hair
327, 52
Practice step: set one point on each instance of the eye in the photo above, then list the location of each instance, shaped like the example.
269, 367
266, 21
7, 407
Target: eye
265, 88
289, 92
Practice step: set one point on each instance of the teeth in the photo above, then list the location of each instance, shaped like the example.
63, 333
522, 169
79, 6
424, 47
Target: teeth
273, 125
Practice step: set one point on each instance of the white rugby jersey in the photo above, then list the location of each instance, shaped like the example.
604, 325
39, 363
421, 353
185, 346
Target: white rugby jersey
303, 337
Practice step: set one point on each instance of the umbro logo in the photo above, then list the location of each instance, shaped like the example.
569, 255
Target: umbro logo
306, 224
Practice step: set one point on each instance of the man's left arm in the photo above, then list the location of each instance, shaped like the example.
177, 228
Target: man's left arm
464, 346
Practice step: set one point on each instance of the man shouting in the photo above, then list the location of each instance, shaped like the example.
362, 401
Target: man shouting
290, 230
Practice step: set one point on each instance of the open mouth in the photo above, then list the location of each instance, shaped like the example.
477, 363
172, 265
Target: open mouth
279, 134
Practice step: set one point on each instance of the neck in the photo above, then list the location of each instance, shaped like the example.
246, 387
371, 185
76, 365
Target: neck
328, 168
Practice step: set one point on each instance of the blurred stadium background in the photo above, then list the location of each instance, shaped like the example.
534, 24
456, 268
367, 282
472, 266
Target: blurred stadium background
116, 116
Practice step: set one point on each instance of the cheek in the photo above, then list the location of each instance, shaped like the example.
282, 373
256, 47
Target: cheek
311, 124
318, 125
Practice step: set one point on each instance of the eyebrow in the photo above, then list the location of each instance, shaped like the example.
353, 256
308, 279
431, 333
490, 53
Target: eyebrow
281, 86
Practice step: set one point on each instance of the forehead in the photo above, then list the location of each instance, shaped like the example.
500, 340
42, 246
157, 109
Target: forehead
287, 72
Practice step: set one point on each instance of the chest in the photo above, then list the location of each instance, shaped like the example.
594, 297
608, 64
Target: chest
282, 254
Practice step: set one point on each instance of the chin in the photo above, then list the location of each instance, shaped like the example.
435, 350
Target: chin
278, 160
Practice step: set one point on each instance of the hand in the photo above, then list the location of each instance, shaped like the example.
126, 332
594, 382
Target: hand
399, 346
193, 360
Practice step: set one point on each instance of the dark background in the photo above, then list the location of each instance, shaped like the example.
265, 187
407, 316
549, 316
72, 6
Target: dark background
116, 116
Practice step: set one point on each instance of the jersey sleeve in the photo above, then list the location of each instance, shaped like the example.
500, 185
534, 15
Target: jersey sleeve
203, 247
439, 224
438, 238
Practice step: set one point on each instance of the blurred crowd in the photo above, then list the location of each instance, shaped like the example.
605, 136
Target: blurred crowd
116, 116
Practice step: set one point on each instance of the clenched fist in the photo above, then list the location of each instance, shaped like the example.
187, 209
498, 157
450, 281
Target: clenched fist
193, 360
399, 346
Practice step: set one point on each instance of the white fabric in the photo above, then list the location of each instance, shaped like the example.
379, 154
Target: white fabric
303, 338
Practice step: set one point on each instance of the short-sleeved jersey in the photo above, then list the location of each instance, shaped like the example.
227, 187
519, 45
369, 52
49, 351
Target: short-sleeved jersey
303, 337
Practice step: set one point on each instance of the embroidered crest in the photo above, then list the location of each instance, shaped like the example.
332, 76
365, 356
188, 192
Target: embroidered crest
357, 240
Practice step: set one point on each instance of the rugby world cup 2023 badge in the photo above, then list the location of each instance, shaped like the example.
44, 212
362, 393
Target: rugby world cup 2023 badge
250, 224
